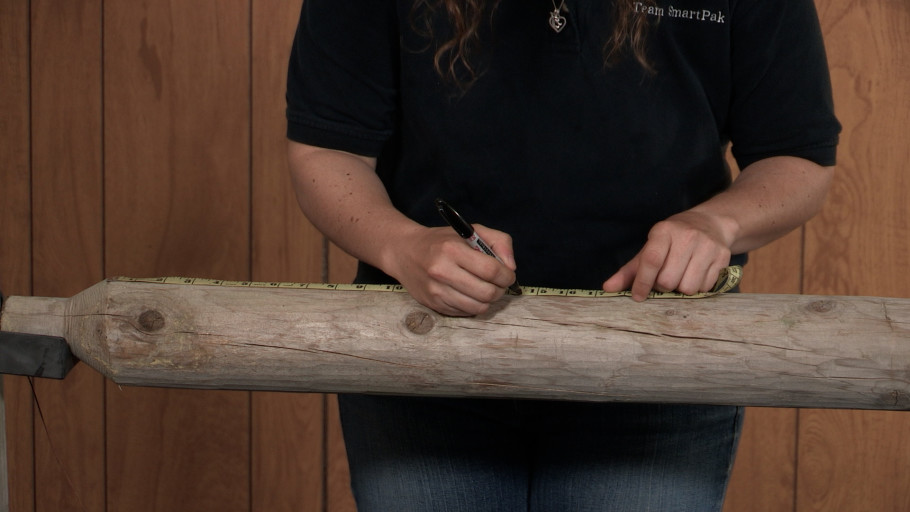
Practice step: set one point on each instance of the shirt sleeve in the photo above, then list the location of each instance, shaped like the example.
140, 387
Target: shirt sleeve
342, 86
781, 99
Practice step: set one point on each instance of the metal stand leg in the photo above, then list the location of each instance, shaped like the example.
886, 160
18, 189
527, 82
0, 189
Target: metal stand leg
4, 480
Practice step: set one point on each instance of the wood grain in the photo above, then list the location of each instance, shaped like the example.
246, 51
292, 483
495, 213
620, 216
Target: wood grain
70, 443
338, 476
287, 428
745, 349
859, 243
286, 247
341, 268
764, 474
857, 246
178, 450
66, 145
66, 101
15, 211
20, 443
858, 460
868, 472
15, 240
288, 452
177, 140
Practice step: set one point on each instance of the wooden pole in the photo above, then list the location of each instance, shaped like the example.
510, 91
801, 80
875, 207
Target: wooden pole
745, 349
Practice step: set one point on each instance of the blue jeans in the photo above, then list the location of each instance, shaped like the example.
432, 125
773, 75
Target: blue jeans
413, 454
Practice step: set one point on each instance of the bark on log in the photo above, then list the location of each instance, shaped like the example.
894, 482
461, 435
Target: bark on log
744, 349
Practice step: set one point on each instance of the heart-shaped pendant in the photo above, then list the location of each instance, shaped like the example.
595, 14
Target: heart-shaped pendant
557, 21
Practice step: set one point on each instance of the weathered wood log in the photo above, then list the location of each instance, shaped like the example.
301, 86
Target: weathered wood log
745, 349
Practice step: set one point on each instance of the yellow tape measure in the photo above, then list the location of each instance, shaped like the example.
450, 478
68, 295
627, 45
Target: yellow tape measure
729, 278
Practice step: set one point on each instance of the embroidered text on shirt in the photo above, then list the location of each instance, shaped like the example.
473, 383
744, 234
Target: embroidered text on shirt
673, 12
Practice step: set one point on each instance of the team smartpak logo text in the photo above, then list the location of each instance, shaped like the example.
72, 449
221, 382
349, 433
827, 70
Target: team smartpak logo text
689, 14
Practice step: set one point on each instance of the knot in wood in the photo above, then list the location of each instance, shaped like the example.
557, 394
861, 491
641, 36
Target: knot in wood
896, 399
822, 306
419, 322
151, 320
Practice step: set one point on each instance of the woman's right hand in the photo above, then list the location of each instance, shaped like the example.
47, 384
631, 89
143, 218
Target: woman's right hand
447, 275
343, 197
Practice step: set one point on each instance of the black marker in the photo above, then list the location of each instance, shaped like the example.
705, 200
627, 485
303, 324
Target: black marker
464, 230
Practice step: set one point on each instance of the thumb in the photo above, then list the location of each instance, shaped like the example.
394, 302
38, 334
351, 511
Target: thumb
499, 242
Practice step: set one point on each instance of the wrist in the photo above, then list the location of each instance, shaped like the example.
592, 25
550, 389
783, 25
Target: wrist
729, 229
726, 227
393, 241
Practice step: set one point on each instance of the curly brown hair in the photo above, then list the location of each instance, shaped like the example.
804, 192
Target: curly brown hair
629, 36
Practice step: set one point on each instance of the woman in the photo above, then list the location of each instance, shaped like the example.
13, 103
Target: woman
587, 137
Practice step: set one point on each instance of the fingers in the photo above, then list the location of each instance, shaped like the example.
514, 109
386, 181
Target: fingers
459, 293
474, 268
651, 272
445, 274
679, 255
499, 242
623, 278
457, 300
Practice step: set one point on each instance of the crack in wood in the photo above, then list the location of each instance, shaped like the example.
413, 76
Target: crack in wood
704, 338
331, 352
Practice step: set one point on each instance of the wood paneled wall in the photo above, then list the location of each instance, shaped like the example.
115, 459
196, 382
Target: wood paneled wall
822, 460
147, 138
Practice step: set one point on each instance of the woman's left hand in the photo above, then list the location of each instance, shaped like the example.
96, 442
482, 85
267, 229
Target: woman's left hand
685, 253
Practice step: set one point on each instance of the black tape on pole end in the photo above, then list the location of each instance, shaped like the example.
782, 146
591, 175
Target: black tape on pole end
35, 355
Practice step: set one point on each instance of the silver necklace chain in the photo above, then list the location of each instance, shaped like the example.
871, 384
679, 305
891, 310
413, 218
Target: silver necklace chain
557, 20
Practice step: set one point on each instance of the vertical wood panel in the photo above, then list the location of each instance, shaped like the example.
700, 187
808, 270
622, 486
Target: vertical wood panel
287, 428
341, 269
15, 240
15, 211
852, 460
777, 267
19, 444
342, 266
859, 245
69, 443
338, 477
286, 246
177, 451
177, 94
66, 145
67, 225
177, 202
764, 473
287, 470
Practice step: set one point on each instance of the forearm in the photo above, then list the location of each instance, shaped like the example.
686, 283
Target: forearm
343, 197
686, 251
768, 199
